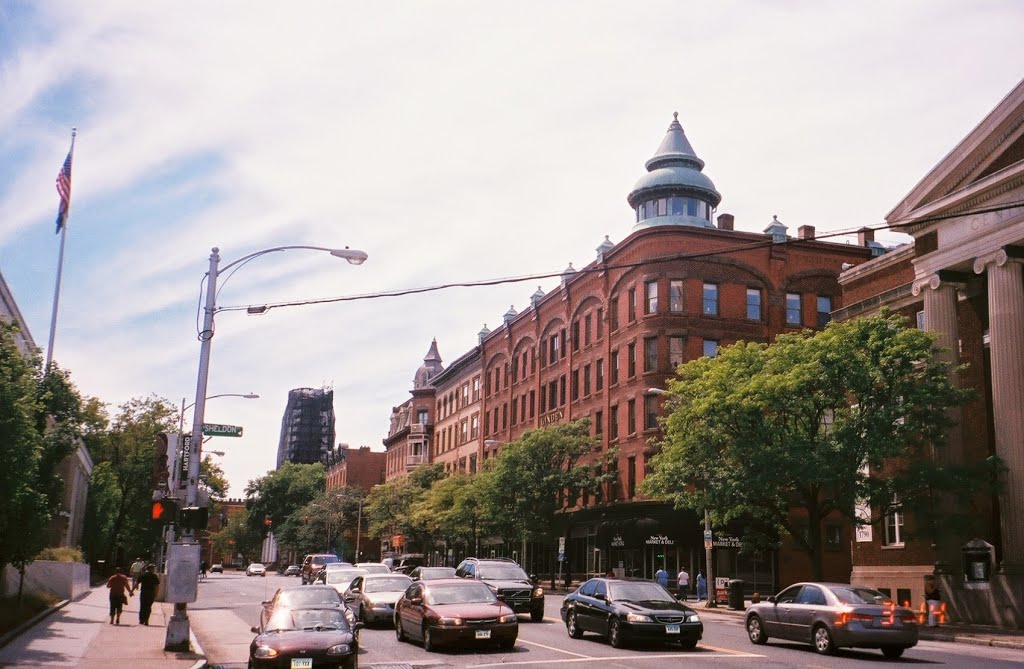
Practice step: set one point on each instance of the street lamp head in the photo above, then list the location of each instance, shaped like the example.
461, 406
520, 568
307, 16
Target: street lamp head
353, 256
220, 453
491, 442
657, 391
251, 396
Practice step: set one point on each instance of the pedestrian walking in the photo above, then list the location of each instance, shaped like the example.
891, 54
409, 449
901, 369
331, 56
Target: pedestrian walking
702, 587
661, 576
120, 588
202, 569
135, 570
932, 600
683, 583
148, 583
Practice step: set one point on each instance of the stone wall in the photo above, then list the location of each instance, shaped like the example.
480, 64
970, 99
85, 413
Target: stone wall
66, 580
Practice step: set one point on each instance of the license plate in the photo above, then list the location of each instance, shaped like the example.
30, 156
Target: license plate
302, 663
483, 634
671, 629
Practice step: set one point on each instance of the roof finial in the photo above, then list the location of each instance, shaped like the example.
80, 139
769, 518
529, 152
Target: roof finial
675, 116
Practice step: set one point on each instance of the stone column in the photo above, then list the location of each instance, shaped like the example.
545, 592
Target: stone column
1006, 332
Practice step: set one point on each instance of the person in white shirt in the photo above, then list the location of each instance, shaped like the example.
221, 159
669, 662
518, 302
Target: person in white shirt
683, 583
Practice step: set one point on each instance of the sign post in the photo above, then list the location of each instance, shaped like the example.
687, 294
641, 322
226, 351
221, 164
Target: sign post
561, 556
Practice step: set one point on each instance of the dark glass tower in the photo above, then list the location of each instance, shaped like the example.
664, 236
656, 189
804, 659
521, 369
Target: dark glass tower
307, 428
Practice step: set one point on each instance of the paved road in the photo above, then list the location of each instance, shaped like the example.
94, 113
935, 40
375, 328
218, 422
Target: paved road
230, 604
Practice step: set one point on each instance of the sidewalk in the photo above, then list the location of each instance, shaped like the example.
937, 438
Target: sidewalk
80, 635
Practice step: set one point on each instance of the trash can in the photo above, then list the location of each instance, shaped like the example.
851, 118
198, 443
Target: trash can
736, 595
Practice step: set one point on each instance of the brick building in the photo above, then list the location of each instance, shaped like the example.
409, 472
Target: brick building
408, 442
961, 278
356, 467
600, 345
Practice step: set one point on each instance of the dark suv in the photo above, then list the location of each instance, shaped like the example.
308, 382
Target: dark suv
312, 565
508, 581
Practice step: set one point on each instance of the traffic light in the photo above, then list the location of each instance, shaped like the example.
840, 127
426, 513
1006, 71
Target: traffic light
194, 517
164, 511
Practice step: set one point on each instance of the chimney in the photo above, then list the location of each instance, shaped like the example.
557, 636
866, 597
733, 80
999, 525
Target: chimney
805, 232
865, 236
725, 221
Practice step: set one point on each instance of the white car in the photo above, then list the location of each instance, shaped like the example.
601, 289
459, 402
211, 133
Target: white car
256, 569
342, 578
374, 567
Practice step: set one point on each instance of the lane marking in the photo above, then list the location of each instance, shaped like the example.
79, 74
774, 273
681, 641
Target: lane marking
557, 650
618, 658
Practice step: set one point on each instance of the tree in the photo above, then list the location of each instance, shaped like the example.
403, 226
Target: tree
761, 430
388, 508
531, 475
40, 425
236, 536
277, 495
118, 524
212, 479
455, 509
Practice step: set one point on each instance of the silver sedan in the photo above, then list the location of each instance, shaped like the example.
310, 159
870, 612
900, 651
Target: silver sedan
834, 615
372, 597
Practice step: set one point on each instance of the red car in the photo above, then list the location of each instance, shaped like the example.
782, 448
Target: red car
449, 612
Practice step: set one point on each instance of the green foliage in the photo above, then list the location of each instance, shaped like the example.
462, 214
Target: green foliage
761, 429
455, 509
236, 536
389, 506
212, 479
531, 474
61, 554
278, 495
118, 526
40, 425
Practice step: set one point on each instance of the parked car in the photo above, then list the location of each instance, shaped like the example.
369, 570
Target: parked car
454, 612
297, 597
313, 563
374, 567
625, 610
256, 569
432, 573
217, 568
306, 637
293, 570
834, 615
372, 597
340, 579
509, 583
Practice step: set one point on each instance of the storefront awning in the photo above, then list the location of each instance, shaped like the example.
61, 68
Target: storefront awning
635, 533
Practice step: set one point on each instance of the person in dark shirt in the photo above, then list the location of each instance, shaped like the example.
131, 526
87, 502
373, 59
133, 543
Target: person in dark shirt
120, 588
148, 583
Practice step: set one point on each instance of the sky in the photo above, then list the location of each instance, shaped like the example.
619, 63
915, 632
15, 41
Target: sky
450, 141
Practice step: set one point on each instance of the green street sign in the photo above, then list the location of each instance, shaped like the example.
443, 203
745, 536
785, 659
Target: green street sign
214, 430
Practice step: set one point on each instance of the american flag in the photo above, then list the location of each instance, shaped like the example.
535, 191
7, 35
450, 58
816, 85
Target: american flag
64, 189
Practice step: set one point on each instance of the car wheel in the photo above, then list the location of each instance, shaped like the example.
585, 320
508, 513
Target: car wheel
428, 640
755, 630
399, 632
572, 626
822, 638
537, 615
615, 633
350, 663
688, 644
361, 615
893, 652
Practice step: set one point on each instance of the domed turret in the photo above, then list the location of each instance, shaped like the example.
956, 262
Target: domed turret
430, 368
674, 191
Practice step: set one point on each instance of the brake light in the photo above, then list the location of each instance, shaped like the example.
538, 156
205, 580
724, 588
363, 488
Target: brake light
848, 616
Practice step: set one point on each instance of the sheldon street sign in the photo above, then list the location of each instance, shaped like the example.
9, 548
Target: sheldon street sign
214, 430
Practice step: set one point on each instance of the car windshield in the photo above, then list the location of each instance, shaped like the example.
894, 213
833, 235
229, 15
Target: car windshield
638, 591
308, 619
309, 596
459, 593
343, 576
333, 566
851, 595
501, 572
256, 565
386, 584
375, 568
326, 559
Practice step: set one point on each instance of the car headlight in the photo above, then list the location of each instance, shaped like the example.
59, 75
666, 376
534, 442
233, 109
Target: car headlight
450, 621
692, 618
265, 652
538, 592
340, 649
511, 618
638, 618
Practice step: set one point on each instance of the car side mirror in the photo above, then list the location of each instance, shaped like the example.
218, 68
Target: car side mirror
416, 601
771, 599
266, 603
603, 598
358, 626
254, 630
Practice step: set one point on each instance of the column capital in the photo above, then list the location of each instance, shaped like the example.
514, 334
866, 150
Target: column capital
937, 280
999, 258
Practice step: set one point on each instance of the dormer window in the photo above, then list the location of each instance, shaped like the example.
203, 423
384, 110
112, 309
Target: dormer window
674, 206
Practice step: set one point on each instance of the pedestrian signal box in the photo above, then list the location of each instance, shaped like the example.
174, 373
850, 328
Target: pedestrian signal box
195, 517
164, 511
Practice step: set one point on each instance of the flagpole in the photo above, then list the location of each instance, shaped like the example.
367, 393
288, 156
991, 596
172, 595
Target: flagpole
60, 267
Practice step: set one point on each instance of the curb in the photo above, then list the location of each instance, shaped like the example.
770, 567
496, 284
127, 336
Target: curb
975, 640
197, 649
20, 629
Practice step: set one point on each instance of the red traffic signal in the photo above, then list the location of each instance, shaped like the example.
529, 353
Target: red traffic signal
164, 511
267, 521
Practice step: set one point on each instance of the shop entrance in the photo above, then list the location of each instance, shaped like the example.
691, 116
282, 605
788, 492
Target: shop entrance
662, 557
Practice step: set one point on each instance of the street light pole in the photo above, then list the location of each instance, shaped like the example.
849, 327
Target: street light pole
177, 638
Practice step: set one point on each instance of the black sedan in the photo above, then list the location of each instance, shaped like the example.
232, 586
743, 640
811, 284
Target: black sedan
304, 638
627, 610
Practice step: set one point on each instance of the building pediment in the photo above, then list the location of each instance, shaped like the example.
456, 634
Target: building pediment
987, 161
